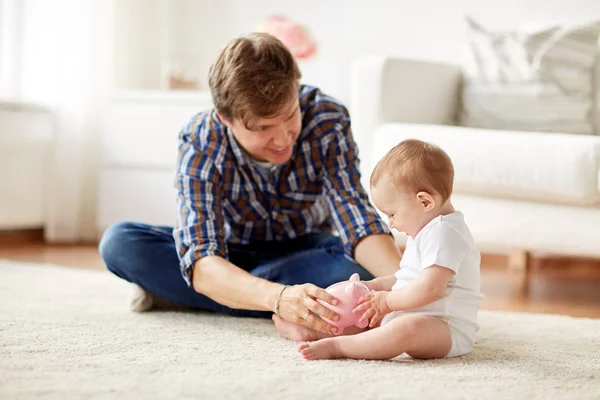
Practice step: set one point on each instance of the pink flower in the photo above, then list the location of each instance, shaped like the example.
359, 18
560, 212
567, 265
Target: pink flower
294, 36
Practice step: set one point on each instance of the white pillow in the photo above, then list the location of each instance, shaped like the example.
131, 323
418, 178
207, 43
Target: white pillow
546, 80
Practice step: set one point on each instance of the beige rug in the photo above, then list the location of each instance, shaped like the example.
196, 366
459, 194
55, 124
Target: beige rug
67, 334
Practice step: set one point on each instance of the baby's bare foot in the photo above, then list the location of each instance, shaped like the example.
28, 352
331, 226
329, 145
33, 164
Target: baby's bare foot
324, 349
305, 351
297, 333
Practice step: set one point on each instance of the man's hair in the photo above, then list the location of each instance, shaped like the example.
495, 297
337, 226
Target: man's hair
417, 166
254, 76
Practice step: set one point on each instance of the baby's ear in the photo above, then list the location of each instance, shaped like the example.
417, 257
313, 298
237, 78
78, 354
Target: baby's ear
426, 200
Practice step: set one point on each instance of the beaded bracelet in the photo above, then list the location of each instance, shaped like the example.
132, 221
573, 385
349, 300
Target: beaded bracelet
276, 307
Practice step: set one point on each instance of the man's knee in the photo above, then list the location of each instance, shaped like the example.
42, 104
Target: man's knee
115, 241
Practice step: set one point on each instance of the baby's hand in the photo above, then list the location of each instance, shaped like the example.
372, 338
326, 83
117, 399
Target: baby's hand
374, 306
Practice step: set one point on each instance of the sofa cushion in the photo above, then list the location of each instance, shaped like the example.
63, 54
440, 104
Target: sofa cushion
527, 107
554, 168
540, 80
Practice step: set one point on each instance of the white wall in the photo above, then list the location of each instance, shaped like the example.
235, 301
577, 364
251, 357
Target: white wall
345, 29
138, 43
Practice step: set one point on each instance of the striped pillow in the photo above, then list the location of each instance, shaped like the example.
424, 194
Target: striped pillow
548, 80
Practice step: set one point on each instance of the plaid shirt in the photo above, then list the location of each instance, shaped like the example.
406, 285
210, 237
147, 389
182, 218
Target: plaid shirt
223, 198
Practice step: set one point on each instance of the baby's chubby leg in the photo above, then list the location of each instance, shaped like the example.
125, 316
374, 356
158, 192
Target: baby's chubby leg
420, 336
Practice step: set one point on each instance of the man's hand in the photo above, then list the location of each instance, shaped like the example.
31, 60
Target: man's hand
373, 306
298, 304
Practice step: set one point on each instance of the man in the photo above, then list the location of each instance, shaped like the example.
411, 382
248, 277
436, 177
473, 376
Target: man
261, 181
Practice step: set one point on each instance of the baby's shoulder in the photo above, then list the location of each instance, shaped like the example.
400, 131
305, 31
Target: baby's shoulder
445, 229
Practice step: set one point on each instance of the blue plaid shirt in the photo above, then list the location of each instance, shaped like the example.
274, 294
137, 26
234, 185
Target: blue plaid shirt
223, 198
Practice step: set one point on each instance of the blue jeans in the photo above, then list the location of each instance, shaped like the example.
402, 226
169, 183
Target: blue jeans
146, 255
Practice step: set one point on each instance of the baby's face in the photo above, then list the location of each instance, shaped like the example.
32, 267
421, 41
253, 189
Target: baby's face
405, 211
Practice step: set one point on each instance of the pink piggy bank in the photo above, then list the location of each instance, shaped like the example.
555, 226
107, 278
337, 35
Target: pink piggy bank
348, 293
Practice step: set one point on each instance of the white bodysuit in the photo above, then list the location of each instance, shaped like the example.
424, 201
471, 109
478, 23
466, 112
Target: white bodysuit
446, 241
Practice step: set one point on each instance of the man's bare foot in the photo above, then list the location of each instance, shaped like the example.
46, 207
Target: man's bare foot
297, 333
320, 350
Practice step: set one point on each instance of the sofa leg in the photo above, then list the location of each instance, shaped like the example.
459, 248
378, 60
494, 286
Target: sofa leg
518, 265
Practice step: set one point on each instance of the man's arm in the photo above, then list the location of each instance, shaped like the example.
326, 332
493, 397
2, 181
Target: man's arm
233, 287
367, 238
227, 284
200, 232
379, 255
200, 228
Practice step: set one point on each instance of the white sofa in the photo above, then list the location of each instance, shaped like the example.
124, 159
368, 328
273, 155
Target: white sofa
520, 192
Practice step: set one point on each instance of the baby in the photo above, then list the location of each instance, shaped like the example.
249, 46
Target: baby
428, 309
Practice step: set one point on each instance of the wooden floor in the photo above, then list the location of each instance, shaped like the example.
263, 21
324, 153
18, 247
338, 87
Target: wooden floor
557, 285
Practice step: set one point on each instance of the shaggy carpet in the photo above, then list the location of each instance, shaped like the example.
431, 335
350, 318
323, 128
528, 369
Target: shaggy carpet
68, 334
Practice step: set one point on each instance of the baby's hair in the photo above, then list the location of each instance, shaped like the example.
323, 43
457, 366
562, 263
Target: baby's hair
416, 166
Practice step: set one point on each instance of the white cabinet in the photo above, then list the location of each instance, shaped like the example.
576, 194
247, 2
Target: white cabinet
139, 152
27, 139
142, 195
